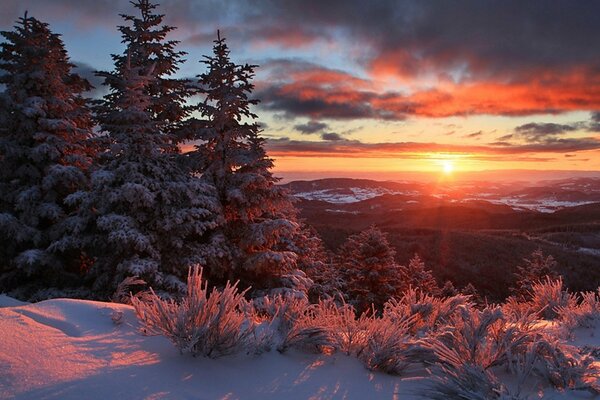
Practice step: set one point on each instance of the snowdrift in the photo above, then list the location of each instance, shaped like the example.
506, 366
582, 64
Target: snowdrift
72, 349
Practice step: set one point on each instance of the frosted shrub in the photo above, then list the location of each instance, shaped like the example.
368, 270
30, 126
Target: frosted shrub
483, 338
565, 368
294, 323
548, 296
210, 325
430, 312
390, 347
347, 333
465, 381
581, 314
122, 293
515, 310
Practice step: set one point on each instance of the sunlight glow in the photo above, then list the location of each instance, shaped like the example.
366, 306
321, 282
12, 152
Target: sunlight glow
447, 166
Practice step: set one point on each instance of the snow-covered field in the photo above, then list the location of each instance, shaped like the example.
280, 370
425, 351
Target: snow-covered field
72, 349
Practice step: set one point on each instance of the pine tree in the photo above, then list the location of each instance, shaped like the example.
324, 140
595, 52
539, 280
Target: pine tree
415, 275
370, 271
258, 217
533, 270
144, 216
44, 157
448, 290
317, 263
146, 46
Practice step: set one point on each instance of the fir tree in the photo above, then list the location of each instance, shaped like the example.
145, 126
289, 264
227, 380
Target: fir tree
448, 290
43, 156
415, 275
144, 216
258, 217
533, 270
146, 45
317, 263
370, 272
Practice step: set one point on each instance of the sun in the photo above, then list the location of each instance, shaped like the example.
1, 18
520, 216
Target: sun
447, 167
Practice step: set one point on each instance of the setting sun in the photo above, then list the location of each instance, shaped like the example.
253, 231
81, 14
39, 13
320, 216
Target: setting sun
447, 166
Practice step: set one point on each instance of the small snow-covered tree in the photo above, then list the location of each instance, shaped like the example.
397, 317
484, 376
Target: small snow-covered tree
415, 275
314, 260
44, 156
370, 272
534, 269
143, 216
146, 45
259, 224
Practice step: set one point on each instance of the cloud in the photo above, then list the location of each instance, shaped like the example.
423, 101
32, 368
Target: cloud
355, 148
311, 127
332, 137
474, 135
301, 89
505, 137
456, 58
540, 132
594, 124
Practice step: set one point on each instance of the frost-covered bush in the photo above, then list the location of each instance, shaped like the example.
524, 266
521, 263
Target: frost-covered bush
484, 338
547, 297
293, 323
210, 325
565, 368
390, 346
430, 312
581, 314
465, 381
347, 332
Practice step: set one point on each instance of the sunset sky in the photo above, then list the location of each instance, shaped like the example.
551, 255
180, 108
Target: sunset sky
350, 87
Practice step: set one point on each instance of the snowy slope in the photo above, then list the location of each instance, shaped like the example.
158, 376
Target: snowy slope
71, 349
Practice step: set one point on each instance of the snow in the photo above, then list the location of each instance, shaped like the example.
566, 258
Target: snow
72, 349
349, 195
516, 202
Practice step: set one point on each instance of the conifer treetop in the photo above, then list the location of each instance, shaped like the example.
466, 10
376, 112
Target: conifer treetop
147, 48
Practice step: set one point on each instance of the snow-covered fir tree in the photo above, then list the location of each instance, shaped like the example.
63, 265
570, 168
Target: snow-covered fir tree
259, 222
44, 157
146, 45
318, 264
370, 271
144, 215
534, 269
417, 276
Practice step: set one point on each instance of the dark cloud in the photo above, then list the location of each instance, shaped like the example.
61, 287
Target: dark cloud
497, 57
311, 127
463, 40
356, 148
536, 132
594, 124
474, 135
332, 137
505, 137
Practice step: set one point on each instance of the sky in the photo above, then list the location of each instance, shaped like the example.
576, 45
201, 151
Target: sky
385, 88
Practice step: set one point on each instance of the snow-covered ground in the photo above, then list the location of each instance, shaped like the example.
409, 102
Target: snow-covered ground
72, 349
349, 195
355, 195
